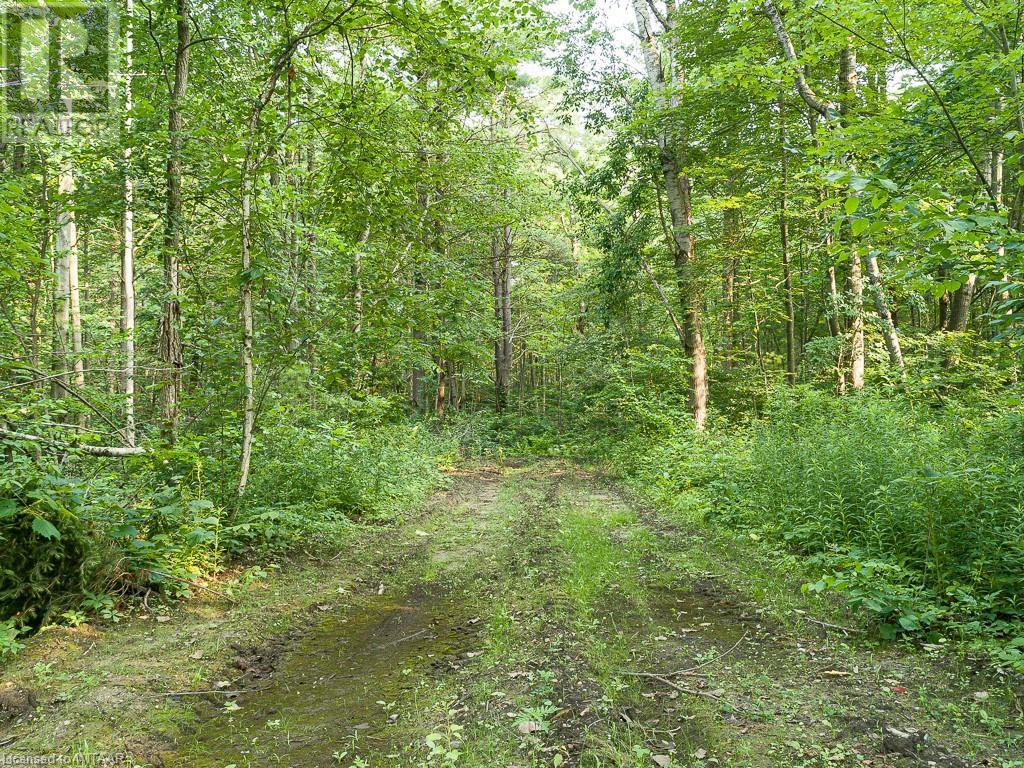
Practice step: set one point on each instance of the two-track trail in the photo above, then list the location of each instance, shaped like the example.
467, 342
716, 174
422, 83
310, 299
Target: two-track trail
527, 616
538, 617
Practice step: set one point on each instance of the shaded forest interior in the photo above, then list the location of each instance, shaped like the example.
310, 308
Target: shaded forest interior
267, 269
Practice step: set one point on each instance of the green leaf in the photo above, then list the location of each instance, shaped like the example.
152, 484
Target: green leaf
910, 622
45, 528
199, 535
859, 225
8, 507
851, 205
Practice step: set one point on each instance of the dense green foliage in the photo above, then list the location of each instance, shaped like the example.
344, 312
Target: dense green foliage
910, 513
74, 532
770, 259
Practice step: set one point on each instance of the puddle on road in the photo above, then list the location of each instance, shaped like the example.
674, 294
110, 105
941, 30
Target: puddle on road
703, 612
323, 699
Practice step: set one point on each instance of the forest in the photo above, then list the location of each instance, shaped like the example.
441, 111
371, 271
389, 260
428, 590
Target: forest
512, 383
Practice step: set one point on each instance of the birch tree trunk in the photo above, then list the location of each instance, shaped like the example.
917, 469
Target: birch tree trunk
61, 304
67, 323
128, 240
248, 375
848, 86
889, 334
856, 321
44, 259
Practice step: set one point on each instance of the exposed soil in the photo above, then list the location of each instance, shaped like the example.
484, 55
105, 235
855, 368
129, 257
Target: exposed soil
15, 702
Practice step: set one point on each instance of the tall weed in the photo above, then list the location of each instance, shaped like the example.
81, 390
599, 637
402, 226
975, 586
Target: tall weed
915, 514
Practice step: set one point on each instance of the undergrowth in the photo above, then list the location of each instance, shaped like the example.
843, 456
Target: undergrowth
915, 516
81, 536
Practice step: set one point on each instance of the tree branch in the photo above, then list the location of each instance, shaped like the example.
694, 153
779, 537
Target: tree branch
823, 108
92, 450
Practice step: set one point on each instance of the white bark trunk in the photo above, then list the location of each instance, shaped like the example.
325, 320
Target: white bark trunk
128, 240
249, 404
857, 322
68, 310
892, 339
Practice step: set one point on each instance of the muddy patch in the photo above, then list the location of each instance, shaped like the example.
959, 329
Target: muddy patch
15, 703
339, 691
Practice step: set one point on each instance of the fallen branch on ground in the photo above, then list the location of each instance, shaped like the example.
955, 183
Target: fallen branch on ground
110, 451
853, 630
681, 688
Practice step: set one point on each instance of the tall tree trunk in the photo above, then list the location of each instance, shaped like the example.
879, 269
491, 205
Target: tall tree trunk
248, 375
128, 239
848, 86
889, 334
677, 194
61, 306
441, 397
960, 304
834, 326
501, 274
856, 322
67, 324
37, 300
787, 277
171, 357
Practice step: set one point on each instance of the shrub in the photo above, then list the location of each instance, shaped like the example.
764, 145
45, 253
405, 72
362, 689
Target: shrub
916, 515
365, 467
48, 555
78, 537
935, 496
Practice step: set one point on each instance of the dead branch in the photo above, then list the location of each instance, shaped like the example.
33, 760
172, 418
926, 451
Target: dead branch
109, 451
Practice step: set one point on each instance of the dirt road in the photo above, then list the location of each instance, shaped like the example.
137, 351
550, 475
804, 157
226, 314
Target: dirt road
537, 616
